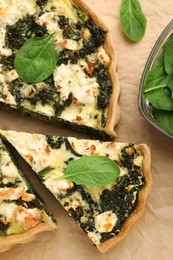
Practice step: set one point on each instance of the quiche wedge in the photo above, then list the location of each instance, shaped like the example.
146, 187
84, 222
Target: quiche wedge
106, 212
83, 89
23, 214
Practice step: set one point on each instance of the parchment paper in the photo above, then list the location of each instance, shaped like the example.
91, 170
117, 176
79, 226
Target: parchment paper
152, 236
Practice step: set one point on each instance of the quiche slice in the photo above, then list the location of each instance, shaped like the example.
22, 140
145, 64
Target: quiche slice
83, 89
23, 214
105, 212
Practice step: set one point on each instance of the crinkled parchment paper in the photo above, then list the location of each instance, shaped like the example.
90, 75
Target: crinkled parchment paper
152, 236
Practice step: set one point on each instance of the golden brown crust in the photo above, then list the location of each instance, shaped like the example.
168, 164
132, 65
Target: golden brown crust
12, 240
114, 109
140, 208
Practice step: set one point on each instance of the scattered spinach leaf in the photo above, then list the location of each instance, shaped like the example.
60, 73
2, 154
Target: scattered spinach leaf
157, 77
168, 57
170, 82
160, 98
36, 59
165, 119
133, 20
158, 88
92, 171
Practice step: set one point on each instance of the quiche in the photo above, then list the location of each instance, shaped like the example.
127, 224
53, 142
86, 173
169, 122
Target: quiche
23, 214
83, 89
105, 213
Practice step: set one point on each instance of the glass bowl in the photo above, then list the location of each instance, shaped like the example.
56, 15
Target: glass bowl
143, 104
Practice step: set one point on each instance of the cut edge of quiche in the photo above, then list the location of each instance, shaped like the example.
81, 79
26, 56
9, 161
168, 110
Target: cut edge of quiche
23, 214
105, 223
113, 114
114, 108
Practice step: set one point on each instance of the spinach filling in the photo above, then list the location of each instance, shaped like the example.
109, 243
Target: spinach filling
8, 61
27, 204
10, 184
22, 30
105, 86
69, 147
41, 3
67, 55
120, 199
93, 206
3, 226
96, 40
27, 27
56, 143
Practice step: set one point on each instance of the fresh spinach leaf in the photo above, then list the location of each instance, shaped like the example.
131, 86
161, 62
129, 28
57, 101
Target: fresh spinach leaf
36, 59
158, 88
165, 120
168, 57
157, 77
92, 171
170, 82
160, 98
133, 20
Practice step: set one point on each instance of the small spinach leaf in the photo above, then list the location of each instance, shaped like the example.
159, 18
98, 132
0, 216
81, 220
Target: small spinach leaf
157, 77
160, 98
165, 119
133, 20
36, 59
168, 57
92, 171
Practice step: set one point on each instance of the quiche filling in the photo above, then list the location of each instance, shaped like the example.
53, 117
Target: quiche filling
79, 90
100, 211
20, 207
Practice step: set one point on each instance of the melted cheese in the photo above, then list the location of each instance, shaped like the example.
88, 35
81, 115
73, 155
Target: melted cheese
138, 160
12, 10
7, 167
84, 89
7, 210
103, 57
95, 237
105, 221
56, 186
63, 8
3, 51
27, 218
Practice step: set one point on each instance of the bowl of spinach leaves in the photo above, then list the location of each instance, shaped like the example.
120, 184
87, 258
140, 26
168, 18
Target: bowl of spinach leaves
155, 98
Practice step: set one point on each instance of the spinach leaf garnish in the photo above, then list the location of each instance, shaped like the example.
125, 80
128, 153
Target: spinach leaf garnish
92, 171
36, 59
133, 20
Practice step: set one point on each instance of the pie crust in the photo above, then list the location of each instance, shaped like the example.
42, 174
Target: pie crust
23, 238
